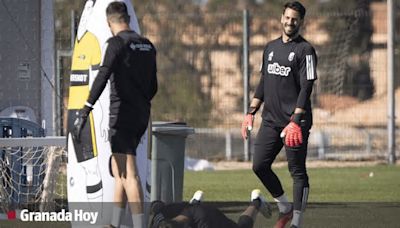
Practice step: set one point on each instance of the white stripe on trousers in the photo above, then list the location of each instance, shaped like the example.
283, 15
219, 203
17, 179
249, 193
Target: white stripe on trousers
304, 199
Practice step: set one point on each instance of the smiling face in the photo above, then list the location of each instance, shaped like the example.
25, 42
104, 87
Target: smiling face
291, 22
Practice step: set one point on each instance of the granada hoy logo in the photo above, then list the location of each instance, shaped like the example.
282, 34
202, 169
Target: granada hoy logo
62, 216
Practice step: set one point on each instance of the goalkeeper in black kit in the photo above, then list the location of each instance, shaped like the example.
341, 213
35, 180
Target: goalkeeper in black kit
129, 64
287, 75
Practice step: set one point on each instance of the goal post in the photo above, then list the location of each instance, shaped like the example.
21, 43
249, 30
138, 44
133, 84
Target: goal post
32, 173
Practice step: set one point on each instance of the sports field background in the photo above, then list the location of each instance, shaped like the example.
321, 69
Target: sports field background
204, 89
345, 184
339, 197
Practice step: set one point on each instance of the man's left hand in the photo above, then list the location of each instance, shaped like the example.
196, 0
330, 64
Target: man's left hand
292, 133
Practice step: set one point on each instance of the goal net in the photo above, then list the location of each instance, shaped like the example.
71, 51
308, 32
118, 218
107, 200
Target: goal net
32, 174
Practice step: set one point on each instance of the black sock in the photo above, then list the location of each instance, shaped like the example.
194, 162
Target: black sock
256, 203
245, 221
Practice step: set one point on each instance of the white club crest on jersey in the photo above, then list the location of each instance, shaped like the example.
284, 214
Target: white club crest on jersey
270, 55
291, 56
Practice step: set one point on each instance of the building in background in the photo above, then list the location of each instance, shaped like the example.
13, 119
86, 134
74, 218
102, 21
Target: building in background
27, 66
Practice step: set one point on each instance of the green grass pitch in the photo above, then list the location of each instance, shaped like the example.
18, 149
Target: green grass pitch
351, 184
339, 197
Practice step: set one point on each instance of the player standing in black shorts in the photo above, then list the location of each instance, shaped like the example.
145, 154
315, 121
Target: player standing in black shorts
287, 76
130, 65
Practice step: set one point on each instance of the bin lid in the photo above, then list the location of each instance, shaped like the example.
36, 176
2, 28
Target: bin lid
172, 128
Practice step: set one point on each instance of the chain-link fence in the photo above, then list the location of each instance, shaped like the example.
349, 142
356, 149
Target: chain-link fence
200, 59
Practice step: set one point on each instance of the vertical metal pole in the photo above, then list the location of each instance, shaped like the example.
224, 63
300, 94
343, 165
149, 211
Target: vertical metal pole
246, 77
72, 29
57, 96
155, 175
228, 145
390, 81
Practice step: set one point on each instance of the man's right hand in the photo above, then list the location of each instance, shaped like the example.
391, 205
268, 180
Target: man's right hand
247, 125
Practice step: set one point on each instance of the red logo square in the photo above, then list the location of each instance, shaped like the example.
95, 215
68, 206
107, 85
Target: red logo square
11, 215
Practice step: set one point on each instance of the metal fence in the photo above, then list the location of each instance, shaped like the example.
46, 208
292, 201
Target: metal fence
200, 58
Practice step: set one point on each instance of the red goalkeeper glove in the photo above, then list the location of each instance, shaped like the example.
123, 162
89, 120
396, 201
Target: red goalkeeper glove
247, 125
292, 133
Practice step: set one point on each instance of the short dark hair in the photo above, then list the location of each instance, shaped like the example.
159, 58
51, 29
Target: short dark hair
168, 223
117, 12
297, 6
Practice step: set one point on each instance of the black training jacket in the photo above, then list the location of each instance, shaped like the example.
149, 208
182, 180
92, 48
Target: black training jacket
287, 75
130, 65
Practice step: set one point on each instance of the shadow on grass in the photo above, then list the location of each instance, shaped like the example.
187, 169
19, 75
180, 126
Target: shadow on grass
321, 215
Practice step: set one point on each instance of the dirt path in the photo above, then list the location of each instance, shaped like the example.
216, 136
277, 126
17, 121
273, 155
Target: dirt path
232, 165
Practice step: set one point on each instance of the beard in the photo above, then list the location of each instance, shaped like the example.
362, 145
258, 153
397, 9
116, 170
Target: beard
290, 31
